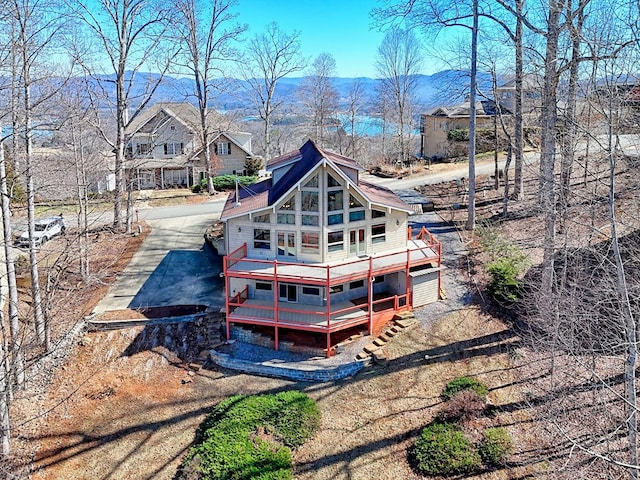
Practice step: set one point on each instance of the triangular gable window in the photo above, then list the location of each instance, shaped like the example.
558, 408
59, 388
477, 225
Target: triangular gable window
332, 182
312, 183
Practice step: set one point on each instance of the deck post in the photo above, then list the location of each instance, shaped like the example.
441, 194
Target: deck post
407, 280
226, 297
276, 312
327, 290
370, 293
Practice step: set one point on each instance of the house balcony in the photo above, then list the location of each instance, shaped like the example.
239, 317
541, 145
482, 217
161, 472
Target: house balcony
423, 249
371, 311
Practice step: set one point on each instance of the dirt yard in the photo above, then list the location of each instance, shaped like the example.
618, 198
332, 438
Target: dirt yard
117, 408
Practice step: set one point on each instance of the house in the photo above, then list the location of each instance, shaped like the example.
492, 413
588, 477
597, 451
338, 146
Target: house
531, 95
315, 254
164, 149
436, 125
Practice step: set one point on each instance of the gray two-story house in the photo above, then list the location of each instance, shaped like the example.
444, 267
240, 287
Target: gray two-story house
164, 149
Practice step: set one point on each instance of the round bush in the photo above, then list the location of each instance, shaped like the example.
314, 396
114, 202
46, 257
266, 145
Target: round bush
464, 383
495, 446
442, 449
250, 437
464, 405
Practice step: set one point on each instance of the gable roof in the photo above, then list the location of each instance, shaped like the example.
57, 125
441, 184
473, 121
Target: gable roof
306, 159
232, 137
182, 112
462, 110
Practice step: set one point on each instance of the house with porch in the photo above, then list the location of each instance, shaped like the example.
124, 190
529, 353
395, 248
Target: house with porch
315, 254
164, 149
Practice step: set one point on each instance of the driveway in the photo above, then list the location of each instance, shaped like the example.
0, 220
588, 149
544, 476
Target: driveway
173, 266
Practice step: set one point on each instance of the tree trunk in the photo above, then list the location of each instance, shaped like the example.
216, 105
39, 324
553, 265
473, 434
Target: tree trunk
14, 320
471, 211
628, 319
518, 133
5, 431
547, 192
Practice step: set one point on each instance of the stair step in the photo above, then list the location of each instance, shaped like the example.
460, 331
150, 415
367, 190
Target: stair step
362, 356
380, 342
370, 348
405, 323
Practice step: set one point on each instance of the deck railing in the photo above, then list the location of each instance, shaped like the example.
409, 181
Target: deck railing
325, 274
311, 320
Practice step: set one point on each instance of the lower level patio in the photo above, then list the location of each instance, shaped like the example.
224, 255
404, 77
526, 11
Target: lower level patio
371, 315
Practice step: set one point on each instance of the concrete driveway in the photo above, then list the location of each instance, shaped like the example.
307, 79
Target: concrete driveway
172, 267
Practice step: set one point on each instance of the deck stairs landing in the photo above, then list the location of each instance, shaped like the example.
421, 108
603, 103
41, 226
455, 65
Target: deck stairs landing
401, 322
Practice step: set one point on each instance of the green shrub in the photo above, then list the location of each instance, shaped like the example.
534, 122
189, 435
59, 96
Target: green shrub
503, 284
458, 135
442, 449
507, 264
495, 446
464, 383
250, 437
228, 182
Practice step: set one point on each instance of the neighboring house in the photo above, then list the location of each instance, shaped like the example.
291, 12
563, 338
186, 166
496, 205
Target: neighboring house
436, 125
164, 149
531, 95
314, 249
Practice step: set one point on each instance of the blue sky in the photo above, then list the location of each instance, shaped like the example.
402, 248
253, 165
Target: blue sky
339, 27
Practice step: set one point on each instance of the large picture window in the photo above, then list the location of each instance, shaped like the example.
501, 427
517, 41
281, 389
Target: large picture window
378, 233
262, 218
310, 220
335, 241
310, 242
262, 238
356, 209
309, 201
334, 200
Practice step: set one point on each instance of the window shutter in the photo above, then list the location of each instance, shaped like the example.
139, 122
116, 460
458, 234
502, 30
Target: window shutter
166, 149
229, 148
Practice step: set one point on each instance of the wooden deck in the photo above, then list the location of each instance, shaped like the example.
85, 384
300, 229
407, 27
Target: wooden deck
417, 253
300, 316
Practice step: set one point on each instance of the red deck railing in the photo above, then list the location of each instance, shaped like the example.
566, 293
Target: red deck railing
310, 320
347, 271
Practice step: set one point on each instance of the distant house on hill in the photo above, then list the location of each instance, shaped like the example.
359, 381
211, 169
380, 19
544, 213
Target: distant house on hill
164, 149
435, 127
531, 95
315, 254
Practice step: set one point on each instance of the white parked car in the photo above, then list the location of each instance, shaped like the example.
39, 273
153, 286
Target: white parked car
45, 230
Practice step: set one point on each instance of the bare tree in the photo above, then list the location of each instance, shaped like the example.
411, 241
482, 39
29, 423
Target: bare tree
270, 57
398, 61
36, 27
130, 36
355, 103
319, 94
17, 358
207, 33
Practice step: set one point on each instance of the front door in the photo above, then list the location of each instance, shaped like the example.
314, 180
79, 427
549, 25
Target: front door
287, 244
357, 245
288, 293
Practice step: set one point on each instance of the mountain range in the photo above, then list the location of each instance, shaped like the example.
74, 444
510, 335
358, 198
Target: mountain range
445, 88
